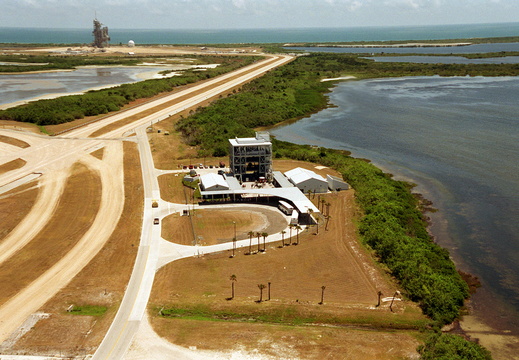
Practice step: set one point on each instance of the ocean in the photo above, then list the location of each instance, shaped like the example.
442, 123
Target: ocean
246, 36
458, 139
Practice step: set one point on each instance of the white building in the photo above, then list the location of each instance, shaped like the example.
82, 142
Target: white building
307, 180
213, 182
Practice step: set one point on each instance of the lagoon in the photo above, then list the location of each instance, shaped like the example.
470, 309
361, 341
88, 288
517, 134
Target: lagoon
458, 139
18, 87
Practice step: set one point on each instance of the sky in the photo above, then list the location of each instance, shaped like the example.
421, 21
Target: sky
231, 14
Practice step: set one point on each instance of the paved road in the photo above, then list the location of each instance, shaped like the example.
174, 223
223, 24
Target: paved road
51, 153
133, 307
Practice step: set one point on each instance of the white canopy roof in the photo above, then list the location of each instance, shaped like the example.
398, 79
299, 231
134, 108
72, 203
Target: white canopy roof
299, 175
213, 181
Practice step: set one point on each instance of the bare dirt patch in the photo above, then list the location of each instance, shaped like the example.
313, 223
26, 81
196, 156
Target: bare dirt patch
13, 141
12, 165
75, 213
102, 282
333, 258
15, 205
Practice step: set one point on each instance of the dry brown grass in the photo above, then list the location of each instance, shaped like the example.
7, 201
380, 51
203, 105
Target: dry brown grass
172, 189
98, 154
333, 258
298, 272
217, 226
12, 165
10, 124
15, 205
76, 211
14, 141
109, 271
289, 342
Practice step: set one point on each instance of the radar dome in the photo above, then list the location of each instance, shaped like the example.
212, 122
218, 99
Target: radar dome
131, 43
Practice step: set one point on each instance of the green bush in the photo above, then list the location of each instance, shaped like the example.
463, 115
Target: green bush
452, 347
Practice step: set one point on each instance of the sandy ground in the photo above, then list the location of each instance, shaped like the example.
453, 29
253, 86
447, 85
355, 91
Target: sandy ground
48, 198
29, 300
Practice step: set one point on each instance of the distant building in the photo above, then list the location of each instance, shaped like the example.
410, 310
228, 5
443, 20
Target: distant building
250, 159
100, 33
131, 43
307, 180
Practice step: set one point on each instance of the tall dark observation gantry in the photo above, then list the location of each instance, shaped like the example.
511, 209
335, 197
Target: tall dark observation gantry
100, 33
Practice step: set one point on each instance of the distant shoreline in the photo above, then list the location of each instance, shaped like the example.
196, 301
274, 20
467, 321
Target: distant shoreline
406, 45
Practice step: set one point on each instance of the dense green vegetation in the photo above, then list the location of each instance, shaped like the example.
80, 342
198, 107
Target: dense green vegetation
392, 225
69, 108
467, 56
283, 314
395, 229
295, 90
452, 347
60, 62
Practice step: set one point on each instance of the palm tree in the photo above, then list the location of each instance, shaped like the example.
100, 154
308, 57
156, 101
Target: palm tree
264, 234
297, 233
283, 237
322, 294
233, 280
258, 234
251, 234
323, 201
379, 295
269, 291
328, 217
310, 212
261, 287
327, 208
290, 237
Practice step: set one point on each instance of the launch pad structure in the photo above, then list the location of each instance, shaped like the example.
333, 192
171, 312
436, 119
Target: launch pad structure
100, 33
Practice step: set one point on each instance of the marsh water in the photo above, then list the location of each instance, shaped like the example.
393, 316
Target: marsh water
458, 139
17, 87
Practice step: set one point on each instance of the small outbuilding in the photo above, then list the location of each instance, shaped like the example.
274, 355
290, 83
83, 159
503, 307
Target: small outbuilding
336, 184
307, 180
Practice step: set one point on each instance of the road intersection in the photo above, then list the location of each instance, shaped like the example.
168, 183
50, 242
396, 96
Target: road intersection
47, 155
